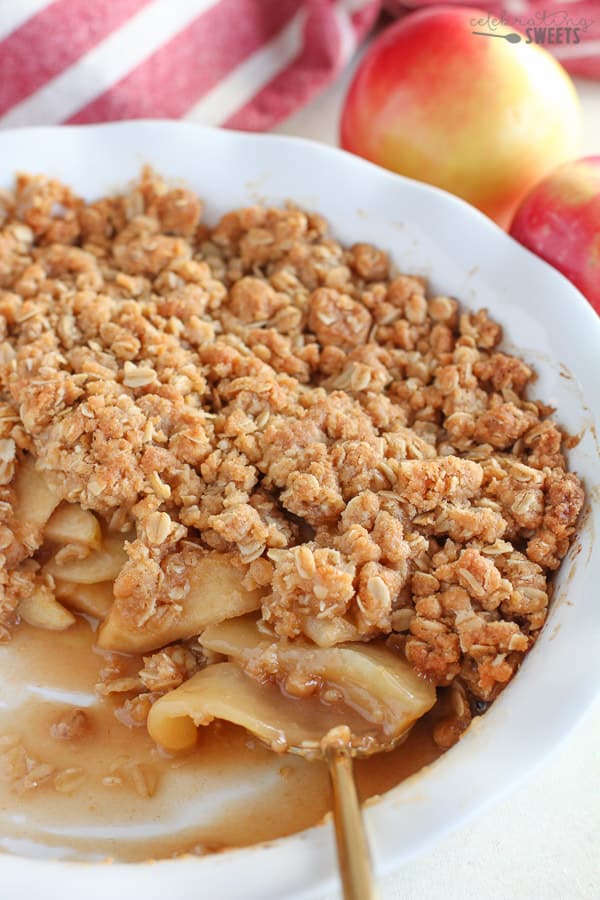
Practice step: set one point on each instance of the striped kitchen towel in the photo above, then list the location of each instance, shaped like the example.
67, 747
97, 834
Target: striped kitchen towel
240, 63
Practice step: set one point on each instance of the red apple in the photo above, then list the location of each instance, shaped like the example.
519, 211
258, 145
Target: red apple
560, 221
477, 115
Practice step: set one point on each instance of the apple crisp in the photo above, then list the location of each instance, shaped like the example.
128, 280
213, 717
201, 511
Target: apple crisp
251, 420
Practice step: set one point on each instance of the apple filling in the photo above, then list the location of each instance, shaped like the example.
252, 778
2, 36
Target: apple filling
296, 693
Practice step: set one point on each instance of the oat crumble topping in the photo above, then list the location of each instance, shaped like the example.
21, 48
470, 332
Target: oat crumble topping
363, 450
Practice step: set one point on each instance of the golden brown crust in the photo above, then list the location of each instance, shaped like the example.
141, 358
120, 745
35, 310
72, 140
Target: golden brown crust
362, 450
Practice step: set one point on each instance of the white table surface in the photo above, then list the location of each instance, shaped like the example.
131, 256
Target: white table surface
543, 841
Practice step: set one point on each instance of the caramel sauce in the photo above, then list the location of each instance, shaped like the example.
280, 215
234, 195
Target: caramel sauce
134, 802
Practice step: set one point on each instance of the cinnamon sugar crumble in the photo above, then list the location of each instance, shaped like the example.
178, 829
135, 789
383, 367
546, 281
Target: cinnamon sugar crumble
364, 449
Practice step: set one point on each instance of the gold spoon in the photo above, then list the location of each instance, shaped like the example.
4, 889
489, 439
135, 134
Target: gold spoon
338, 748
380, 698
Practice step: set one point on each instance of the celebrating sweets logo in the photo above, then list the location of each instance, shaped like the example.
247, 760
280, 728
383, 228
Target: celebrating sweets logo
547, 28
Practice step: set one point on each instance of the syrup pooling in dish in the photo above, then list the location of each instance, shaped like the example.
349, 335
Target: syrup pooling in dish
110, 792
251, 456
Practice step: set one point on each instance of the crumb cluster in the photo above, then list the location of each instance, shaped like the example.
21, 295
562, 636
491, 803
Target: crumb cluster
365, 449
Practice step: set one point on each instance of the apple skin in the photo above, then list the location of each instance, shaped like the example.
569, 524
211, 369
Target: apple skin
478, 116
560, 221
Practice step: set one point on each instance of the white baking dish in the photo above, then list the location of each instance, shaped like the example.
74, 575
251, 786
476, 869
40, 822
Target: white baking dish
464, 254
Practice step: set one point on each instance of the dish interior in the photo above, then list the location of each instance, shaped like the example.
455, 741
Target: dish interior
209, 799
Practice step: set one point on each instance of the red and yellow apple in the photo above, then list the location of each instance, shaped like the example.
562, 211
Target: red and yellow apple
560, 221
481, 117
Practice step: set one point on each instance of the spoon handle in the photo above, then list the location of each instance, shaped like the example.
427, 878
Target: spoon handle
352, 847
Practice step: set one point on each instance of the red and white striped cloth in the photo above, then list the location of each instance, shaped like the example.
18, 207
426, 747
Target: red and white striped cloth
240, 63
